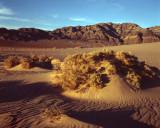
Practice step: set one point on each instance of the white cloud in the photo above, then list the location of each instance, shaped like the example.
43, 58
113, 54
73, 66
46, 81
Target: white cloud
81, 19
14, 18
55, 16
46, 28
6, 11
34, 21
78, 19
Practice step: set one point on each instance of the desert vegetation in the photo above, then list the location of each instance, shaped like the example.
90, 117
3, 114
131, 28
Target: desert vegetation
55, 113
95, 69
81, 71
42, 61
11, 62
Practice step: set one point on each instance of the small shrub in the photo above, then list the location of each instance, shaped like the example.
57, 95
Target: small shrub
134, 79
79, 70
108, 52
33, 61
42, 58
126, 58
95, 80
56, 63
147, 67
41, 61
54, 113
26, 63
110, 69
72, 79
11, 62
44, 62
57, 78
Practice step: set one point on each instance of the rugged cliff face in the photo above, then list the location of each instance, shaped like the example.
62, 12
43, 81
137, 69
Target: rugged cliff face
23, 34
104, 33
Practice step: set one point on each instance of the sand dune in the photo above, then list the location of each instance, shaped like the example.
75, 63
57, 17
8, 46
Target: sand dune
116, 89
24, 93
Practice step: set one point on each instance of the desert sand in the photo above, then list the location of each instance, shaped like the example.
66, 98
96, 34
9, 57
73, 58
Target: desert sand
24, 93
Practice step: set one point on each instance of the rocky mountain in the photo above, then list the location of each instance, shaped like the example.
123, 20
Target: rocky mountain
103, 33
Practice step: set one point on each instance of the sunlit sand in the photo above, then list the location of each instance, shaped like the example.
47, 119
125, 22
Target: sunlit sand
25, 93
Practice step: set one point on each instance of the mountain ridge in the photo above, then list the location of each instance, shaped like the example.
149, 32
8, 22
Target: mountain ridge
101, 33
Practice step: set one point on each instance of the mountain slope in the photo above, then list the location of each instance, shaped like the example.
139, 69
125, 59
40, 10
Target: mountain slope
102, 33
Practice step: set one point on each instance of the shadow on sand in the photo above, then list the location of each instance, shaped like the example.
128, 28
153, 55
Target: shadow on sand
11, 91
109, 118
151, 84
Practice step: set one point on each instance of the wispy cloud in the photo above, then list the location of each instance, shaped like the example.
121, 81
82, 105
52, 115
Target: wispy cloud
34, 21
6, 11
45, 23
120, 7
78, 19
55, 16
81, 19
14, 18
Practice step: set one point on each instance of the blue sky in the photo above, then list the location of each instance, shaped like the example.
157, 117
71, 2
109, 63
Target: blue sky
52, 14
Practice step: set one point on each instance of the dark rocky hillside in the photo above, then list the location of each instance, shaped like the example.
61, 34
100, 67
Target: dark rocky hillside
102, 33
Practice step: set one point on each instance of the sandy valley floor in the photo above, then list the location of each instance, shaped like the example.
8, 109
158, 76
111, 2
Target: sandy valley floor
24, 93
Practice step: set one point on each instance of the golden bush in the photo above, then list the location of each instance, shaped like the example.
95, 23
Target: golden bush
28, 62
56, 63
134, 79
11, 61
85, 70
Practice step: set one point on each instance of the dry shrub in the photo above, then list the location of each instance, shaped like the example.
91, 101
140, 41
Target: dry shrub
78, 70
56, 63
133, 79
44, 61
57, 75
26, 63
82, 70
55, 113
108, 68
42, 58
34, 58
126, 58
33, 61
95, 79
11, 61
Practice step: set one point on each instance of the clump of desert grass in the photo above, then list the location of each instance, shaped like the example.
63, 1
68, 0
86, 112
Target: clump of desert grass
42, 61
56, 63
54, 113
11, 61
81, 71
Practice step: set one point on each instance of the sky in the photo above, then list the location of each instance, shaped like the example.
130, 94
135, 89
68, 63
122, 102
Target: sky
53, 14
